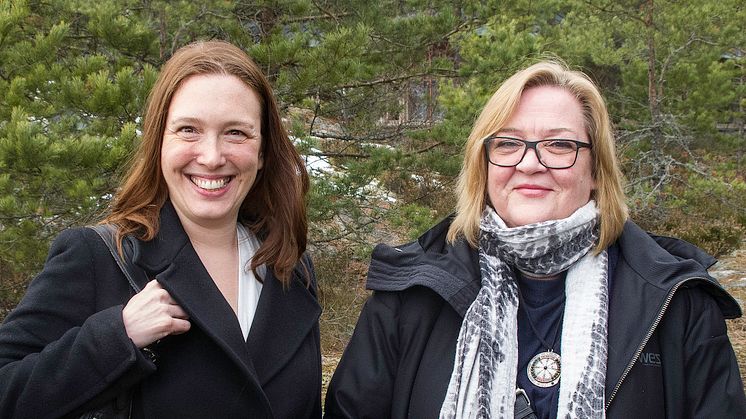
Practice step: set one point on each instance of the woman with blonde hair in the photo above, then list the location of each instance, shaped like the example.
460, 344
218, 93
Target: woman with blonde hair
539, 298
213, 212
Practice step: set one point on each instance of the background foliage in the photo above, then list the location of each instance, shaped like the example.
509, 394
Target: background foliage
380, 97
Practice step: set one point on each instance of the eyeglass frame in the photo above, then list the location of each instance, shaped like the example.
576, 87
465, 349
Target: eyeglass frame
532, 145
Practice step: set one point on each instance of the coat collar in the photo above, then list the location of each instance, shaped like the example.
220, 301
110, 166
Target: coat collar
283, 319
451, 270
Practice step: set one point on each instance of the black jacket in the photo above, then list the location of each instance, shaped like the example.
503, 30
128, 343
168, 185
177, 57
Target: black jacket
669, 354
65, 348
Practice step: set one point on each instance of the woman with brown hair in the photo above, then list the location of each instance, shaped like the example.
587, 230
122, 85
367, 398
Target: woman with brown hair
213, 209
539, 298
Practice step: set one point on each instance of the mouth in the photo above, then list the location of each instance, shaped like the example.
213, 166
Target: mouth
532, 187
535, 191
211, 184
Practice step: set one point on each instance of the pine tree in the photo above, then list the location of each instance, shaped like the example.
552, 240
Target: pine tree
383, 93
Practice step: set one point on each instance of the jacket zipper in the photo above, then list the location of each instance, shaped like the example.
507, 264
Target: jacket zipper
644, 342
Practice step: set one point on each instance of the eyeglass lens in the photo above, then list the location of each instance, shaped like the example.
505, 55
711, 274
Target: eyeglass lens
552, 153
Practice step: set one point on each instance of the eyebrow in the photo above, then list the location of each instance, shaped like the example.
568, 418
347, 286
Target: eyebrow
193, 120
551, 131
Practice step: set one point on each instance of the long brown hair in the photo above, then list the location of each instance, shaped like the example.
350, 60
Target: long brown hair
274, 208
472, 182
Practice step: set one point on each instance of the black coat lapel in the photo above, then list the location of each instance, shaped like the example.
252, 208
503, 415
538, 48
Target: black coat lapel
191, 286
283, 321
171, 259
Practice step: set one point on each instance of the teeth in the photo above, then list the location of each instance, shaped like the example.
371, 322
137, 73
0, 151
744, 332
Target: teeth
210, 184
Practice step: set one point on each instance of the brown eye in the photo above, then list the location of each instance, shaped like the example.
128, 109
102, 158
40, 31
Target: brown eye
235, 135
187, 133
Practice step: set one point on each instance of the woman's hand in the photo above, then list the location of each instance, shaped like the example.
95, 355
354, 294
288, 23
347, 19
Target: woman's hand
152, 314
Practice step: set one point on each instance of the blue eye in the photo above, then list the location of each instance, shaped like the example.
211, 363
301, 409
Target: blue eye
506, 145
560, 146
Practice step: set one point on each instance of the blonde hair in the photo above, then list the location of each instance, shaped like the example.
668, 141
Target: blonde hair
471, 187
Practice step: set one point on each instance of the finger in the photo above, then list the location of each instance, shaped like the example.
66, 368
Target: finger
153, 292
163, 294
152, 284
177, 312
180, 326
156, 293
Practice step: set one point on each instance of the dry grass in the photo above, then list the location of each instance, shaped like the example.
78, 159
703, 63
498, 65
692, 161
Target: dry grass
341, 305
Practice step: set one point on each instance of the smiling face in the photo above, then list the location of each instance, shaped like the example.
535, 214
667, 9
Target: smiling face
211, 150
529, 192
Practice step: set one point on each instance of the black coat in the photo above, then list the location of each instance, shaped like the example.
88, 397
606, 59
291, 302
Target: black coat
669, 354
64, 348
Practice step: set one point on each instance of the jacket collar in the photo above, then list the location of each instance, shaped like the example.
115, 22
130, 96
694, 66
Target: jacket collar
664, 262
451, 270
294, 311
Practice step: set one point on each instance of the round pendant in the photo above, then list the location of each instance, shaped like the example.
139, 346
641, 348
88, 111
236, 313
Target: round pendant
544, 369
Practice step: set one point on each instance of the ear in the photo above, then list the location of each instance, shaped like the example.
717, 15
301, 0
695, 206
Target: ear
260, 164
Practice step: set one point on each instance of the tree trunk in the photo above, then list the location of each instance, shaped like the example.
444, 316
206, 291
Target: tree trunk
654, 99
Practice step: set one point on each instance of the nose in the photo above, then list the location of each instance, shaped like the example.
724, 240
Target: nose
210, 152
530, 162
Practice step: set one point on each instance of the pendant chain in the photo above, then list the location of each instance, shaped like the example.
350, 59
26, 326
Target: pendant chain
548, 347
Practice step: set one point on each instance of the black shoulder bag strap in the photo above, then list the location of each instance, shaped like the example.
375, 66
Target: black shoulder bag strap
121, 406
107, 234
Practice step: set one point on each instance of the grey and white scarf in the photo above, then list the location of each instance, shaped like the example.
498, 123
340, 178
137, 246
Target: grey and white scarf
483, 380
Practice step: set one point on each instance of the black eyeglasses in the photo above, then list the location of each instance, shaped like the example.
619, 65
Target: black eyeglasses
553, 153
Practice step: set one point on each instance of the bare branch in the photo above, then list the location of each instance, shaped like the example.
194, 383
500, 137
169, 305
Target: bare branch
673, 53
426, 149
345, 234
315, 17
387, 80
350, 155
326, 13
378, 138
610, 9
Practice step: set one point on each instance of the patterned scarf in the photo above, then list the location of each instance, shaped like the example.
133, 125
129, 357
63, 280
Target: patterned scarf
483, 380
